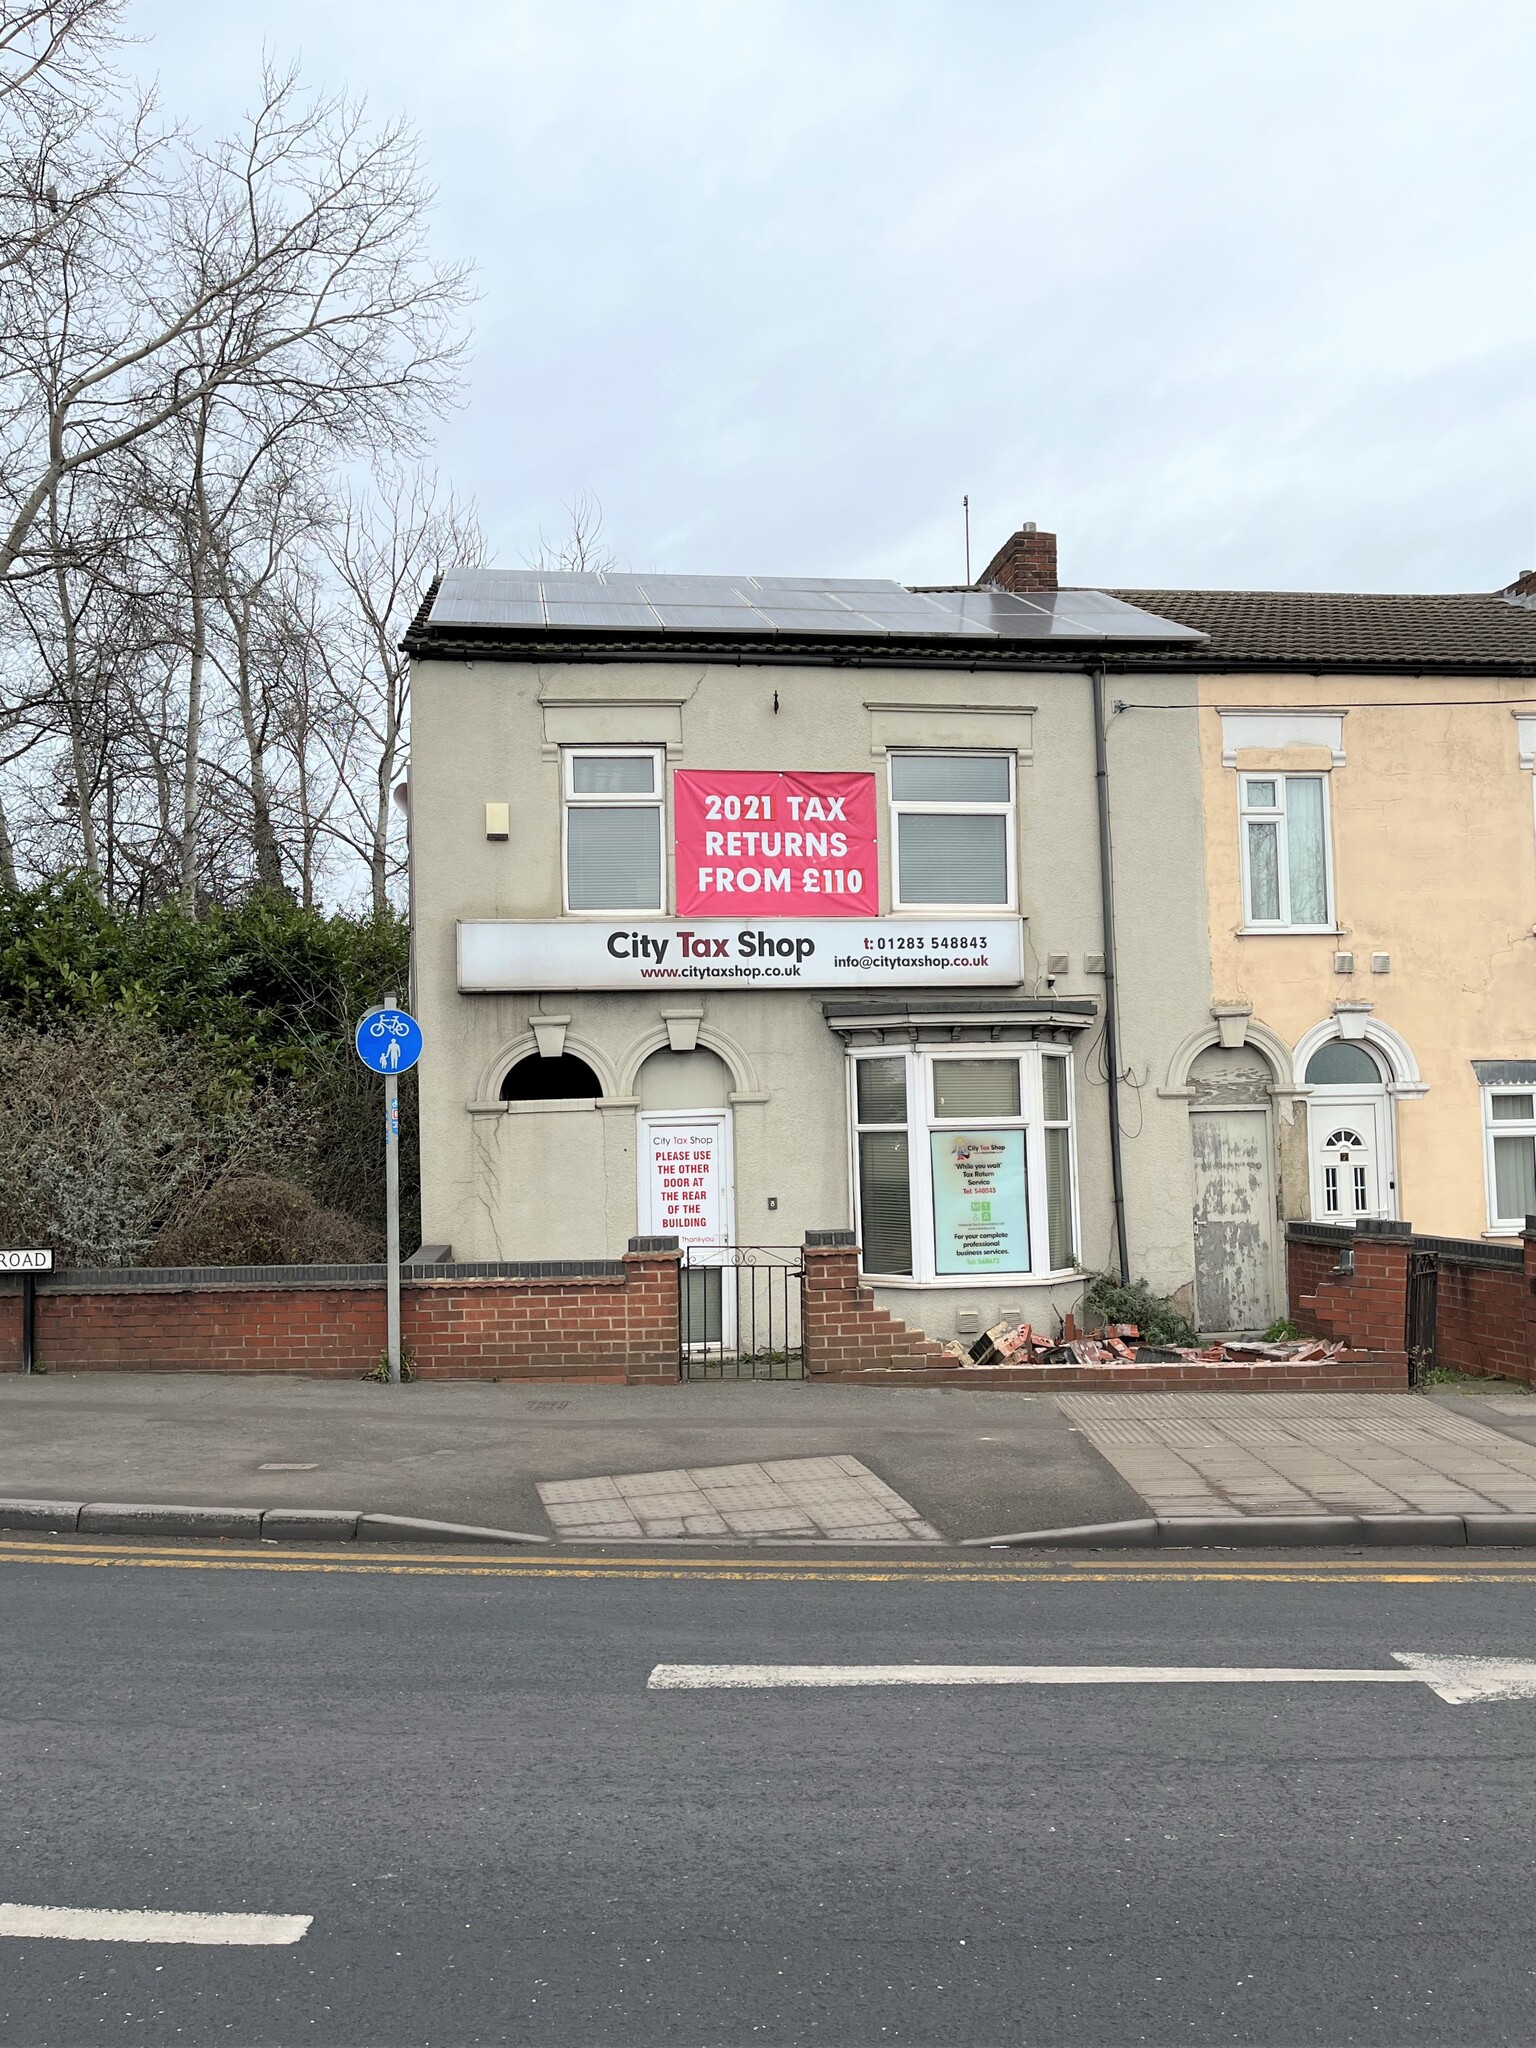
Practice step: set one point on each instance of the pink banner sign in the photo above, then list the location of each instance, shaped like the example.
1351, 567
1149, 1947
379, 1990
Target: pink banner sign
775, 845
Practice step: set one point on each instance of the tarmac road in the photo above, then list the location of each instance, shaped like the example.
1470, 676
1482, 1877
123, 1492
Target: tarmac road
499, 1834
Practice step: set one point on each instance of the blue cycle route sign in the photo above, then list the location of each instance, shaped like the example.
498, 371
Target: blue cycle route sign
388, 1041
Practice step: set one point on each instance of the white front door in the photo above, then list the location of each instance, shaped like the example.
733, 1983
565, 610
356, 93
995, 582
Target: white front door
1351, 1171
687, 1191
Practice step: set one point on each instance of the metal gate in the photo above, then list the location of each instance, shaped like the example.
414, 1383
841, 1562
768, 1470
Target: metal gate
740, 1312
1423, 1299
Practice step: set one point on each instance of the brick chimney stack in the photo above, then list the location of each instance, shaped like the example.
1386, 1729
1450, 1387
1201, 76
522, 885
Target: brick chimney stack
1025, 561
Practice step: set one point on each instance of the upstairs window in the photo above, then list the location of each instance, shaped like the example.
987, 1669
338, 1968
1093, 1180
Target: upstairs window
952, 831
1509, 1131
612, 831
1287, 878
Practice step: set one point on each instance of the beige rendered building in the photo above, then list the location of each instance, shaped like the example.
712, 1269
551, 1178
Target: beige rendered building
744, 907
1370, 863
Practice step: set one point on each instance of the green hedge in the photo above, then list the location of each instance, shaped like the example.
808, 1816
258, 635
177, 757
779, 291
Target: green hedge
260, 1000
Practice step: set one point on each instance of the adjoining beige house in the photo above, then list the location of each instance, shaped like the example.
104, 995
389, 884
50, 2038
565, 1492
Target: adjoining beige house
748, 906
1370, 865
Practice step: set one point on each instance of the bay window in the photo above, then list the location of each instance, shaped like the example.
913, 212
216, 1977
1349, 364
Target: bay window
963, 1163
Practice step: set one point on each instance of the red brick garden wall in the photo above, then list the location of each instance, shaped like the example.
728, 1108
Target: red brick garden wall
600, 1326
850, 1340
1485, 1319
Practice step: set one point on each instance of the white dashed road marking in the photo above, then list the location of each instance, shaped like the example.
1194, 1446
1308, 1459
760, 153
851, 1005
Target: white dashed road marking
203, 1930
1457, 1680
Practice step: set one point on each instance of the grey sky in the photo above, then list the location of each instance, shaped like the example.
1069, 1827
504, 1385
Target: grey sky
1225, 294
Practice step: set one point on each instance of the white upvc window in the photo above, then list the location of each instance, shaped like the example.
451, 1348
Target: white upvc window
1509, 1138
1287, 861
952, 832
611, 828
963, 1163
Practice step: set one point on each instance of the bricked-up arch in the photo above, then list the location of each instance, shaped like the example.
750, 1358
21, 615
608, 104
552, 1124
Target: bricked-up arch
566, 1079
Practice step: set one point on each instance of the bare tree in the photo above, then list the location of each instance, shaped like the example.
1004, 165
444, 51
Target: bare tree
582, 546
384, 554
287, 262
55, 48
194, 340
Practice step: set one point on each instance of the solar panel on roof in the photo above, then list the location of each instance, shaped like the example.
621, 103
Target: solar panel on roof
610, 618
574, 601
941, 623
492, 611
785, 621
711, 590
703, 618
839, 583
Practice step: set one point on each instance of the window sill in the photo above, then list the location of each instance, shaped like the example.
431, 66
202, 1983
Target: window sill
1290, 931
951, 1281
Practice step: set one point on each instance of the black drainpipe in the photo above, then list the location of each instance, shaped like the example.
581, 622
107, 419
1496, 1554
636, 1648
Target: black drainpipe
1111, 994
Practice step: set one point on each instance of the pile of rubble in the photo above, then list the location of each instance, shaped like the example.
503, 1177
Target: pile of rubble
1120, 1344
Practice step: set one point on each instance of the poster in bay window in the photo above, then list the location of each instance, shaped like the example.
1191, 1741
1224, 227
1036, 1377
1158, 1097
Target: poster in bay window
765, 843
980, 1207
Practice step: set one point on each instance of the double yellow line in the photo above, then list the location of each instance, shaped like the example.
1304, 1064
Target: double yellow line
945, 1567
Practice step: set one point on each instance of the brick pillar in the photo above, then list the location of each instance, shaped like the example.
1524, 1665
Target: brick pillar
829, 1298
1379, 1297
653, 1328
1528, 1246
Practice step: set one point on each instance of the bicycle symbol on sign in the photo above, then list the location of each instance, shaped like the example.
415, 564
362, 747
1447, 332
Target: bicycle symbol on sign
401, 1036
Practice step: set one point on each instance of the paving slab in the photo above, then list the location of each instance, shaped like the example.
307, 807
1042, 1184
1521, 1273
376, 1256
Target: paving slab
811, 1497
1375, 1455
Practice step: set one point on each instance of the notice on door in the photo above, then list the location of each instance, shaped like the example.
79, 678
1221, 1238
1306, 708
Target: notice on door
980, 1213
775, 845
686, 1164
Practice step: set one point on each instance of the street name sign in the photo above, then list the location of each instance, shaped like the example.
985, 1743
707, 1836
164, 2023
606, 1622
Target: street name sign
37, 1260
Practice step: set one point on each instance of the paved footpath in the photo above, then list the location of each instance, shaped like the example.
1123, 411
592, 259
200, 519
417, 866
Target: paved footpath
755, 1461
958, 1464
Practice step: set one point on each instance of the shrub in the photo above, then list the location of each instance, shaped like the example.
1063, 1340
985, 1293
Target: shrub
256, 1219
105, 1131
1109, 1300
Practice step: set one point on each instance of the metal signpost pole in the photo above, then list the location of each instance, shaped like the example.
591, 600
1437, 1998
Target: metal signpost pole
392, 1210
28, 1320
389, 1043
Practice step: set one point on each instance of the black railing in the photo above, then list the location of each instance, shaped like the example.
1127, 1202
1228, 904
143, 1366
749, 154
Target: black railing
1423, 1306
739, 1312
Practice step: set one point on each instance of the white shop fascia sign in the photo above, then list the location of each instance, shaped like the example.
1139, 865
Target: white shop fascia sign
874, 953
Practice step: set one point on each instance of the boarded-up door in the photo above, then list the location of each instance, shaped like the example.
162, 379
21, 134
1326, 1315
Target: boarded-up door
1234, 1219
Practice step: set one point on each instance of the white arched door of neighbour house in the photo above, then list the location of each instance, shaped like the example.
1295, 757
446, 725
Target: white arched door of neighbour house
1351, 1140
